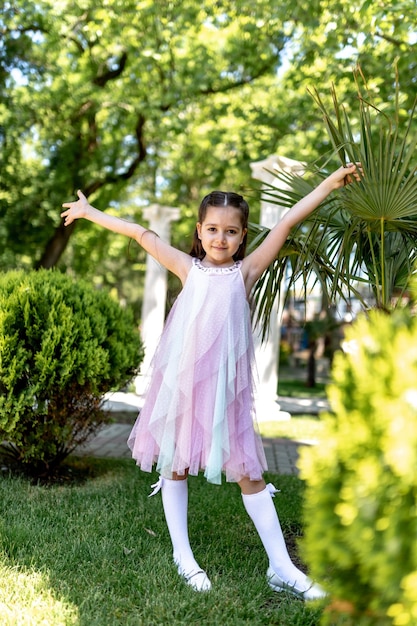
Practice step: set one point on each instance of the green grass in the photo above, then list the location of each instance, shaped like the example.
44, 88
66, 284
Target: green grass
296, 388
299, 428
98, 553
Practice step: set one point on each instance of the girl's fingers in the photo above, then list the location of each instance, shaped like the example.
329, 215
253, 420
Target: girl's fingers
353, 171
73, 209
80, 195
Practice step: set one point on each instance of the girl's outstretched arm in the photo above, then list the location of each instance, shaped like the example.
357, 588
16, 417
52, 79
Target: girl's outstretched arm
256, 262
174, 260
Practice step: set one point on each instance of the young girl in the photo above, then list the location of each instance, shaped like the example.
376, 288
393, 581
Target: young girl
198, 413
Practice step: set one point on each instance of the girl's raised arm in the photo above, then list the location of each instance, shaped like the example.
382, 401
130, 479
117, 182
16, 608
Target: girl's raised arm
174, 260
257, 262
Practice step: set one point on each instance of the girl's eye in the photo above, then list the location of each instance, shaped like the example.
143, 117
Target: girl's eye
232, 232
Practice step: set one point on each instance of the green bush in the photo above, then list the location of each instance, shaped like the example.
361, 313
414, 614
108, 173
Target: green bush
361, 483
63, 345
284, 352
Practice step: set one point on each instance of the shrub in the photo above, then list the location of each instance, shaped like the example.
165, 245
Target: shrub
361, 495
284, 352
63, 345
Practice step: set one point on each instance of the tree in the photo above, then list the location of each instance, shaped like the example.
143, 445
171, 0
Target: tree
101, 91
163, 101
368, 231
381, 237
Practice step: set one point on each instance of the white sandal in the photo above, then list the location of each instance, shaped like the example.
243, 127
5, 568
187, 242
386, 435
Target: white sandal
312, 591
197, 579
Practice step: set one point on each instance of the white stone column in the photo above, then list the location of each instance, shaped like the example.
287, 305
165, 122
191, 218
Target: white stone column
154, 296
267, 352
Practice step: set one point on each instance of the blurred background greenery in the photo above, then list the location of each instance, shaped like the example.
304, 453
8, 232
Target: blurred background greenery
161, 101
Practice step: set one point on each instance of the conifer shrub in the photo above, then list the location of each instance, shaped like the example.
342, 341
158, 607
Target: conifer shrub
361, 482
63, 345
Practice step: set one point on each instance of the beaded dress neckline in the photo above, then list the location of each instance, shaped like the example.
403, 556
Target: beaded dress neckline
217, 270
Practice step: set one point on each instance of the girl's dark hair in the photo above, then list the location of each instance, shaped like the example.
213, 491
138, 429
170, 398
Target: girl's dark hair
217, 199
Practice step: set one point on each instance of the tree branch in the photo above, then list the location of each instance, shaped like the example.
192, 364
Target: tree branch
395, 42
59, 240
103, 78
239, 83
131, 169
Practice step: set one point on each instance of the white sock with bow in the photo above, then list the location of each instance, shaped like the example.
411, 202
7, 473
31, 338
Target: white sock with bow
261, 510
175, 503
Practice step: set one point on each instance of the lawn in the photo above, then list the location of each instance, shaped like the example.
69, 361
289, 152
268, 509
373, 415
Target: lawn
96, 552
93, 549
302, 428
296, 388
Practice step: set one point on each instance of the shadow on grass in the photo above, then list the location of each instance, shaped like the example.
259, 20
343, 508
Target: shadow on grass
72, 471
102, 550
298, 389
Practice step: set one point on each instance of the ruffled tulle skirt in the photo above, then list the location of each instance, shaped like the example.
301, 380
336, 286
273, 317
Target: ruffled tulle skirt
198, 412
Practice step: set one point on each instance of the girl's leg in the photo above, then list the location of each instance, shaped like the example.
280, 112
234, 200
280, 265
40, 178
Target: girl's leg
282, 573
175, 502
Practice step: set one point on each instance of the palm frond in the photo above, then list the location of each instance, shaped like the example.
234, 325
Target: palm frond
389, 186
367, 232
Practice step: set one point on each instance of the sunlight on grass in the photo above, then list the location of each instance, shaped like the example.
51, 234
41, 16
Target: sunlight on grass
298, 428
26, 600
97, 553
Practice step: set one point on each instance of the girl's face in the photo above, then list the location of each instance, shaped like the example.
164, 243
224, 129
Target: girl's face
221, 234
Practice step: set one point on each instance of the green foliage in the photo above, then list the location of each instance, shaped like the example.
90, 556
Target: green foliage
381, 215
361, 496
99, 97
170, 98
284, 352
163, 101
62, 346
365, 232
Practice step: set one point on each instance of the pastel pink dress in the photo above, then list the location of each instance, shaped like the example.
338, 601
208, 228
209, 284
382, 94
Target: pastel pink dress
199, 408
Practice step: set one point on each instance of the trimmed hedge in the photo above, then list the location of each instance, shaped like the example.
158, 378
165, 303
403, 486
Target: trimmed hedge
361, 496
63, 345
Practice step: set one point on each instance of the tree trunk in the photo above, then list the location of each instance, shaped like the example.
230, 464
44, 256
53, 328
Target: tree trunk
59, 240
311, 365
56, 246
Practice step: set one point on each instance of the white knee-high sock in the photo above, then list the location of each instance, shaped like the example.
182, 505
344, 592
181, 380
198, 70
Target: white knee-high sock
175, 503
261, 510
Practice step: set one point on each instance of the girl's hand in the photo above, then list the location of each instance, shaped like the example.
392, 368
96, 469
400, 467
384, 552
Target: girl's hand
76, 209
346, 175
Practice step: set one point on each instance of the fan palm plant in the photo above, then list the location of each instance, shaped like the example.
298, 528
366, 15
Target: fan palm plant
368, 231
